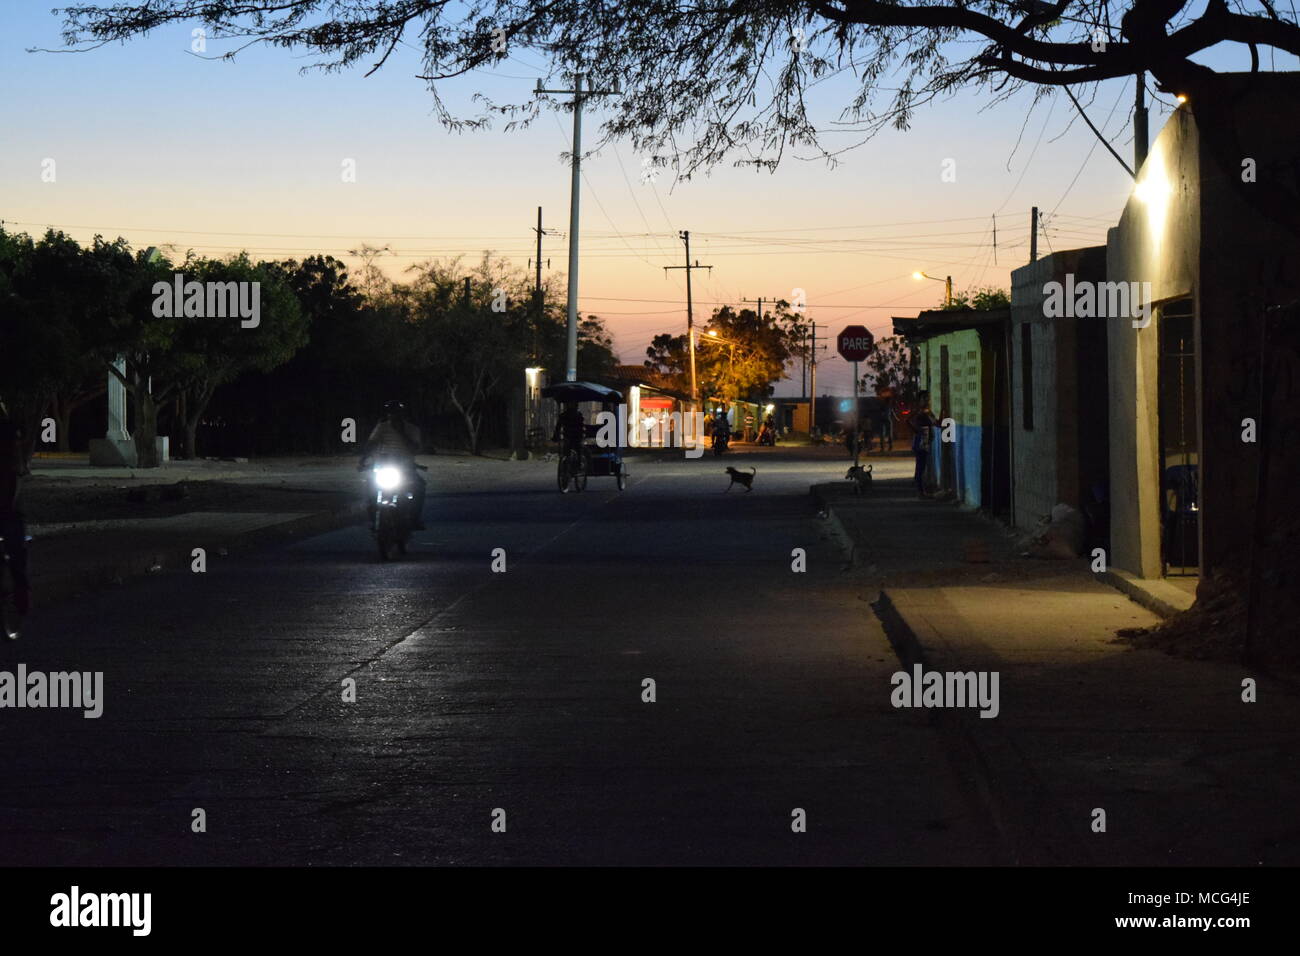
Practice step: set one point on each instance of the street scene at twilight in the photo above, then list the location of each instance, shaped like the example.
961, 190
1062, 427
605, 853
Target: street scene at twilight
820, 434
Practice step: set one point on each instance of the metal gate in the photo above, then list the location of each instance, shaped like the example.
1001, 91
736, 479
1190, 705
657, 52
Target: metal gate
1179, 445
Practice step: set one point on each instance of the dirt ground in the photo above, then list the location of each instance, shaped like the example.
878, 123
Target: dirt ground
62, 502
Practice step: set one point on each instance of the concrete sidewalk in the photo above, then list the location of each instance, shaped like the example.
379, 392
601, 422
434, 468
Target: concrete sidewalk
63, 565
1186, 772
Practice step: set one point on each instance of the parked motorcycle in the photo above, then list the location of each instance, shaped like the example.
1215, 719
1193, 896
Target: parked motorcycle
392, 509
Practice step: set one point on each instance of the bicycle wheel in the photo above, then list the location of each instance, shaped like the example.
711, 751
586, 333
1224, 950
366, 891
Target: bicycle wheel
562, 474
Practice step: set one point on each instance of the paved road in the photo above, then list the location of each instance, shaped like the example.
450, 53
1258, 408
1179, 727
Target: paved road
478, 690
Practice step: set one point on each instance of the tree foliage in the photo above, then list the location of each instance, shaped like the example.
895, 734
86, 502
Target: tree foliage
707, 81
893, 368
737, 354
984, 299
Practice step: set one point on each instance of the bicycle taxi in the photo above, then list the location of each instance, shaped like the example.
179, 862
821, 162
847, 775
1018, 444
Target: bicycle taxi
576, 465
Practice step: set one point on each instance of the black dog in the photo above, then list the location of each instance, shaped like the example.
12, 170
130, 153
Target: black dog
862, 477
739, 476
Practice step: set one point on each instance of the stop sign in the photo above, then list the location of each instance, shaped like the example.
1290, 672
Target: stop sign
855, 343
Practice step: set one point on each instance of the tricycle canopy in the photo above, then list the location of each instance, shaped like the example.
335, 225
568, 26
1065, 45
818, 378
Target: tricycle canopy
581, 392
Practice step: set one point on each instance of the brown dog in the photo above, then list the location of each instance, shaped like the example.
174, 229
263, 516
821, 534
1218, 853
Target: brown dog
739, 476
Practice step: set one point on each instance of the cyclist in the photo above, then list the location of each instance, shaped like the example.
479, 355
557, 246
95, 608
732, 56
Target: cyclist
569, 429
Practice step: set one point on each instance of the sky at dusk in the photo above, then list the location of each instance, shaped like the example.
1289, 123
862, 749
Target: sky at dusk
160, 146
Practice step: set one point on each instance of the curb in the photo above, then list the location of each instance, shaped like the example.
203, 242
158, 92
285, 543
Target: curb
116, 570
1156, 596
1001, 782
1007, 787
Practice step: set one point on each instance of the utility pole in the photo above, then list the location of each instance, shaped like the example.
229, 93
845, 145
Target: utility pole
690, 317
1033, 234
812, 369
537, 291
579, 95
760, 300
1140, 139
803, 372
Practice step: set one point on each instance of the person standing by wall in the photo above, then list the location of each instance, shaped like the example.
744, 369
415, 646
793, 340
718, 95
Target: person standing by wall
923, 424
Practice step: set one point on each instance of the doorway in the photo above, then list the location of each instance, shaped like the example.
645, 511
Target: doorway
1178, 389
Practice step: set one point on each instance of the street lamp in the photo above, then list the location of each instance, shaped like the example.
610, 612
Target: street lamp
947, 285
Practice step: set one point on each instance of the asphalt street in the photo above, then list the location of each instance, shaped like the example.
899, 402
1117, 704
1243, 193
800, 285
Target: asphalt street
518, 690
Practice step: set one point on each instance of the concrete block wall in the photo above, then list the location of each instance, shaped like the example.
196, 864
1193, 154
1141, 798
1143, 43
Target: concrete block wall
1045, 458
1157, 241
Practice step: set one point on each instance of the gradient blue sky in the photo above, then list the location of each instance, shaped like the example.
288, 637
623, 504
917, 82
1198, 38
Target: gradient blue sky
159, 146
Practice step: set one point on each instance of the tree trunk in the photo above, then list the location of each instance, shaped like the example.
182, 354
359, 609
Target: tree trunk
192, 409
471, 424
191, 438
62, 415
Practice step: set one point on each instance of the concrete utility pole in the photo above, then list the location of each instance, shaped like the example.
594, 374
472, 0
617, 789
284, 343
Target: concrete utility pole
1033, 234
690, 317
579, 95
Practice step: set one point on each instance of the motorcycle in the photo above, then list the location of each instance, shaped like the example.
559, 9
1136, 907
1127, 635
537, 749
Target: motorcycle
391, 514
720, 440
767, 437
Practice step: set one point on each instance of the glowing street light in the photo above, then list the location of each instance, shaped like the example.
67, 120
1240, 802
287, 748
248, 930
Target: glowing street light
947, 285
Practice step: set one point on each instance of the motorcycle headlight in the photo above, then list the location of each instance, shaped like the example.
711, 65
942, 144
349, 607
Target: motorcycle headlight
388, 478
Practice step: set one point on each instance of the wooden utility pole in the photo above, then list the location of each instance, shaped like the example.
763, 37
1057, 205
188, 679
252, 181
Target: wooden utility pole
812, 370
1140, 135
537, 289
690, 317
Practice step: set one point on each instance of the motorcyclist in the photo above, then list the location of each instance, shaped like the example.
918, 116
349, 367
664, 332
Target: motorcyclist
395, 441
721, 428
13, 467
